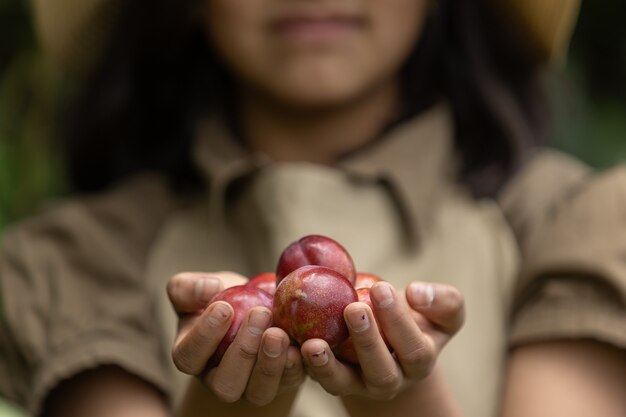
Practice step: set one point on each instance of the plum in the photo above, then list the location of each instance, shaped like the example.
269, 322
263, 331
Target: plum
242, 298
309, 303
316, 250
265, 281
366, 280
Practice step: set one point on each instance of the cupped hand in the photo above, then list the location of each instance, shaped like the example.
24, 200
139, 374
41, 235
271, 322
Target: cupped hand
417, 323
257, 366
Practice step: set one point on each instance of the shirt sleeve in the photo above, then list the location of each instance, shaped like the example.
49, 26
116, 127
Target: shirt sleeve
73, 295
571, 227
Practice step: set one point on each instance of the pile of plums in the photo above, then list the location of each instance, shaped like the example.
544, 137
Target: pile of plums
315, 280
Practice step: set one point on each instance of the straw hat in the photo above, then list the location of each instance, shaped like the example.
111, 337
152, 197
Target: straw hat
547, 24
72, 31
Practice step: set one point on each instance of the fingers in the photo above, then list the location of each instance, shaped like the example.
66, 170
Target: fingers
278, 369
229, 380
381, 372
270, 364
192, 291
441, 304
293, 374
259, 363
414, 351
230, 279
196, 342
335, 377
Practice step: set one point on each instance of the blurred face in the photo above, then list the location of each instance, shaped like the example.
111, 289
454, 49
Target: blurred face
314, 53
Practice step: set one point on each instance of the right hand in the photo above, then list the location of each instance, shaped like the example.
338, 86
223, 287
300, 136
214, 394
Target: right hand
417, 324
259, 364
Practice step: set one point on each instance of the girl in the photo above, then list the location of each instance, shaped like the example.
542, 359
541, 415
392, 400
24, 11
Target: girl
212, 133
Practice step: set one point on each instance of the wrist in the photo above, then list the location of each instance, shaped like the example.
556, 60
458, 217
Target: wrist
430, 396
199, 401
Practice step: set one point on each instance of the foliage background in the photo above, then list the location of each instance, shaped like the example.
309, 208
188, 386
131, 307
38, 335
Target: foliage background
588, 101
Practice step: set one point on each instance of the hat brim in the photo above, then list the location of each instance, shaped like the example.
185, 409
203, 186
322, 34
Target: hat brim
547, 25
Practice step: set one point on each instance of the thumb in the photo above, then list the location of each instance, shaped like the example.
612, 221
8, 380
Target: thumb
440, 304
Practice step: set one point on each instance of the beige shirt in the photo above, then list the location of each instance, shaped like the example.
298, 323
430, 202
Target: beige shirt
83, 284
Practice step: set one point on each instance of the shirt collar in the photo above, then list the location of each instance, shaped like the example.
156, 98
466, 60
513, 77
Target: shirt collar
414, 159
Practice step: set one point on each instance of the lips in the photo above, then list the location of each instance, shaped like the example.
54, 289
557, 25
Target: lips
315, 27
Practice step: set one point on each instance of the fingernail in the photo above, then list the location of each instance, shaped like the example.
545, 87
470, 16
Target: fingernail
220, 313
273, 346
258, 321
423, 295
382, 295
318, 358
206, 288
358, 320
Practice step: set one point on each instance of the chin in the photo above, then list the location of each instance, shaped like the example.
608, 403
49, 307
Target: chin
316, 100
316, 81
317, 93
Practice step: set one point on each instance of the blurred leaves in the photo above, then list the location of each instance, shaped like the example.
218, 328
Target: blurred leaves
7, 410
29, 167
599, 49
16, 34
590, 101
29, 97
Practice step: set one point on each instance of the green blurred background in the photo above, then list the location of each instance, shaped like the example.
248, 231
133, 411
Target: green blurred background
588, 101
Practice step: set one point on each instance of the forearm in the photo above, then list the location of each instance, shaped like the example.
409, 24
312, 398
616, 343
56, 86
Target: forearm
200, 402
429, 397
105, 392
566, 378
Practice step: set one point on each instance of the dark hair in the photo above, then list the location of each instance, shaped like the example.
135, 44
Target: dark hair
158, 76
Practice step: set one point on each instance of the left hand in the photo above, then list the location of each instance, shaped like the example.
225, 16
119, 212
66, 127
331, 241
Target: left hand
417, 323
249, 369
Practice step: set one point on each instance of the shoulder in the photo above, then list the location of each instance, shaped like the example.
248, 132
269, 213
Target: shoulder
570, 222
546, 180
556, 191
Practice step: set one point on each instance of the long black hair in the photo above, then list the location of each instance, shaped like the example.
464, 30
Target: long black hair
157, 77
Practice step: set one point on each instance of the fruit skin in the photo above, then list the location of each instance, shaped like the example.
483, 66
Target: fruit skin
265, 281
345, 351
366, 280
309, 303
242, 298
316, 250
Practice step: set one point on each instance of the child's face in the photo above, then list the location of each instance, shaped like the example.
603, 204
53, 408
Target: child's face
314, 53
